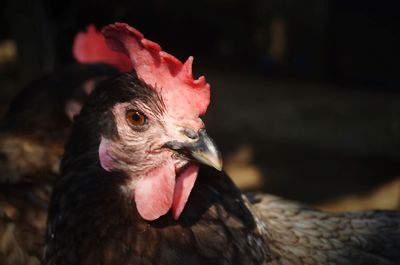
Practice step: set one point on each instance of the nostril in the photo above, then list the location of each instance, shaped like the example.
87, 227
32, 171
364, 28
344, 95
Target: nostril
190, 133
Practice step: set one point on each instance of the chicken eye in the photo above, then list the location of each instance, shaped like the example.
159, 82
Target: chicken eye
135, 117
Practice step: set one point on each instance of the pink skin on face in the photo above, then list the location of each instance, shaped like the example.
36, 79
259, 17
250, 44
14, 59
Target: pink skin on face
156, 186
106, 161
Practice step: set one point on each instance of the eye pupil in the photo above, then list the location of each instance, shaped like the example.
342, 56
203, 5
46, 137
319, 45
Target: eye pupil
136, 117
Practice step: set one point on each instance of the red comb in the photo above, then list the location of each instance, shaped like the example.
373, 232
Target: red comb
91, 47
162, 71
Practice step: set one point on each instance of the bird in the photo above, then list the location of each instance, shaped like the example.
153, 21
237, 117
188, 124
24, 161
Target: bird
39, 120
32, 137
141, 182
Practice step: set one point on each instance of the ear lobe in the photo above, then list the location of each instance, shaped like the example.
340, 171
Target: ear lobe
106, 161
89, 86
72, 108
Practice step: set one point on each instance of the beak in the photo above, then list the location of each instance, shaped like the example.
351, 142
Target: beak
202, 150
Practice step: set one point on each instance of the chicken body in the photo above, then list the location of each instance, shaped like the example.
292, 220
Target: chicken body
94, 217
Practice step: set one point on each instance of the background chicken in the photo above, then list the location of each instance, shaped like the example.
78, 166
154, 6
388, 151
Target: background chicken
32, 138
131, 190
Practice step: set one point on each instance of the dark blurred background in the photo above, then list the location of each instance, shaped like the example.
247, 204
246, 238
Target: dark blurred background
305, 94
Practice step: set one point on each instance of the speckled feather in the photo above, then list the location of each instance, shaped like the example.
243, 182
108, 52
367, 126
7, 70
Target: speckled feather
23, 216
297, 234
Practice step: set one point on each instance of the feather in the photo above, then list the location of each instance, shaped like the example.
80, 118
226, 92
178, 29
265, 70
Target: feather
32, 137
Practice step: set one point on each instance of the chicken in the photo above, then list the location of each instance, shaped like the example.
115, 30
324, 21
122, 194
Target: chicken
32, 138
141, 183
38, 122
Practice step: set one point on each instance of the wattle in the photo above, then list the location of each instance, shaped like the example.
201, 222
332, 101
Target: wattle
183, 186
161, 190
